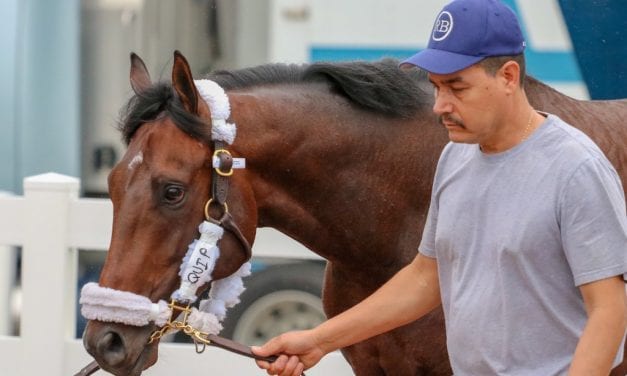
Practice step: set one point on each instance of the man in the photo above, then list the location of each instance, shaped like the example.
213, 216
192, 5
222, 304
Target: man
525, 243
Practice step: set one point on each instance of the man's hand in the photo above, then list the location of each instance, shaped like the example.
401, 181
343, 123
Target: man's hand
297, 352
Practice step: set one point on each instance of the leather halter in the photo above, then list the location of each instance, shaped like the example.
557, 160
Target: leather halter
220, 192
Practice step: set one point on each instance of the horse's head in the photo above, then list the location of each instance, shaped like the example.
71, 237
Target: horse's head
160, 191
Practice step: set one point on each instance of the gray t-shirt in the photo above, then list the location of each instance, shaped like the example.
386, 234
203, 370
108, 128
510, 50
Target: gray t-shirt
514, 234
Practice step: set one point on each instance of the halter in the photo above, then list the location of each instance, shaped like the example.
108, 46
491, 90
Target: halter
202, 325
182, 298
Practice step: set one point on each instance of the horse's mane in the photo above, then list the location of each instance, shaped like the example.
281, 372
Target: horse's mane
380, 87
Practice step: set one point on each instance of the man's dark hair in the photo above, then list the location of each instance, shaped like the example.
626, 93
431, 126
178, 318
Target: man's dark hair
494, 63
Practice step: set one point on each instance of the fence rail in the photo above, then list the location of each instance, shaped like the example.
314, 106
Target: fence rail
50, 223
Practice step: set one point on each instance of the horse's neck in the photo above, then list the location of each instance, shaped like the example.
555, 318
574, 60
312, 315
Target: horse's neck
585, 115
603, 121
344, 183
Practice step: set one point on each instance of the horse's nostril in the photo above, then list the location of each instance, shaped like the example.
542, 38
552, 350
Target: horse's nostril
111, 348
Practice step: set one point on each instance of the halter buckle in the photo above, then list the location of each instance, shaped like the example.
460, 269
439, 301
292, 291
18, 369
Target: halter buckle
216, 154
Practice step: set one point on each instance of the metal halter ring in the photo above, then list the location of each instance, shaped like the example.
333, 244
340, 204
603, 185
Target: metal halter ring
176, 309
218, 171
207, 216
199, 338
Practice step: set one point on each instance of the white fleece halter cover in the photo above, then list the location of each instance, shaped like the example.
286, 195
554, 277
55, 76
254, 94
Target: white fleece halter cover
106, 304
220, 108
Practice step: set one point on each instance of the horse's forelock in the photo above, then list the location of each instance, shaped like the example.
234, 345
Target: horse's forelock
154, 102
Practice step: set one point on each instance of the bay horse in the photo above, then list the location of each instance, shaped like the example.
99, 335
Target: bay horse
339, 156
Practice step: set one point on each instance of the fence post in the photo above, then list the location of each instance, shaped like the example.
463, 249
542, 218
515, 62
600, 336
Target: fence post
7, 282
48, 274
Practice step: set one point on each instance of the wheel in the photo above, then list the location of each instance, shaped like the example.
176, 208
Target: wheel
277, 299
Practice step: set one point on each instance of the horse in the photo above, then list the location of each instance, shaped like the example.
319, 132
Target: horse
339, 156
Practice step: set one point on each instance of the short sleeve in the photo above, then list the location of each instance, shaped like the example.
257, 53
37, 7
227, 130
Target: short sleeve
427, 244
593, 222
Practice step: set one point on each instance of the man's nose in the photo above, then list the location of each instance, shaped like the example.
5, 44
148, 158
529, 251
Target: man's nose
442, 104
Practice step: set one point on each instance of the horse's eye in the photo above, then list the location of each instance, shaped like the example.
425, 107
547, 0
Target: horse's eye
173, 194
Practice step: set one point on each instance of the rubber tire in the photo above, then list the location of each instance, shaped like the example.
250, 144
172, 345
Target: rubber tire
304, 278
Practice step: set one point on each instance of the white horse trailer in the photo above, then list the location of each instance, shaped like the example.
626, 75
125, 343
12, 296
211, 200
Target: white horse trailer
216, 34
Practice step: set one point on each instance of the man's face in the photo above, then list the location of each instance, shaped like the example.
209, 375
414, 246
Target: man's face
467, 103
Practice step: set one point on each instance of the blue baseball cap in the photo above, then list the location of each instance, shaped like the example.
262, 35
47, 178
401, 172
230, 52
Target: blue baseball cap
467, 31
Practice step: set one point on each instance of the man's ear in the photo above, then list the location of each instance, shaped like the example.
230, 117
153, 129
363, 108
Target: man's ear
510, 74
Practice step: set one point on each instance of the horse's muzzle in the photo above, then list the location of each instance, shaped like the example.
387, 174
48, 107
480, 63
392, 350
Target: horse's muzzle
120, 349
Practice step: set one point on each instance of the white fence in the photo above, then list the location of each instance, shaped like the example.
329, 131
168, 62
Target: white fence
50, 222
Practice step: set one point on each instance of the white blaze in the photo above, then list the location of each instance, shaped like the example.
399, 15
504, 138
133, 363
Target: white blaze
137, 160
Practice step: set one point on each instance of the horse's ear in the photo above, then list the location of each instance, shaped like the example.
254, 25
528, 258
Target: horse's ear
140, 79
183, 83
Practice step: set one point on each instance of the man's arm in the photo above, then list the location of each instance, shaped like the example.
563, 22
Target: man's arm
606, 305
413, 292
410, 294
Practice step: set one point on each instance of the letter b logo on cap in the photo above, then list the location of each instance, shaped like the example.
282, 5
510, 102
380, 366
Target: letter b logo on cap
443, 26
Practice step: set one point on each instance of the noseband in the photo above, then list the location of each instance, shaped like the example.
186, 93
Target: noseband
105, 304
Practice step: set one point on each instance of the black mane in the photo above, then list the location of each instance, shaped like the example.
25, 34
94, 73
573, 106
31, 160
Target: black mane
380, 87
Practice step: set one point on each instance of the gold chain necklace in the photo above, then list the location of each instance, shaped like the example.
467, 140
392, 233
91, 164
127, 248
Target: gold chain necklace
528, 127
